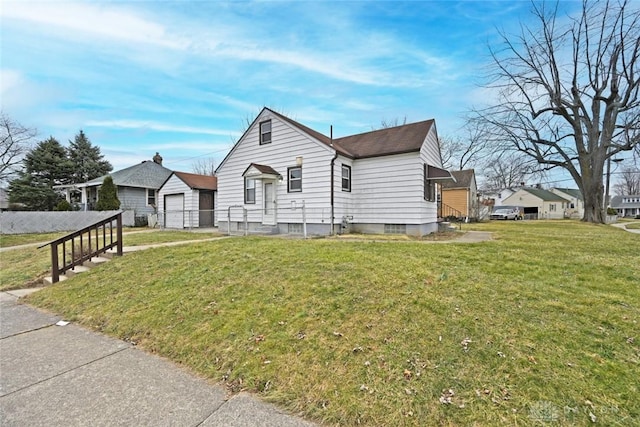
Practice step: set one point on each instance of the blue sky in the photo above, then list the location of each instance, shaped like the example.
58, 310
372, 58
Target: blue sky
182, 78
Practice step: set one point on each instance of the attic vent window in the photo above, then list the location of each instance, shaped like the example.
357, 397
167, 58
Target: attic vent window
265, 132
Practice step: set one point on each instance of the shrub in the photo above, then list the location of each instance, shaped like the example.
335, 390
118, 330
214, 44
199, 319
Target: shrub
611, 211
63, 205
108, 196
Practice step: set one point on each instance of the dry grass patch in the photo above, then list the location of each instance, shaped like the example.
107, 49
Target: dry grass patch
538, 325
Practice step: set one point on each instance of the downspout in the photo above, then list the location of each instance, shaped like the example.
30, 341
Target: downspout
333, 161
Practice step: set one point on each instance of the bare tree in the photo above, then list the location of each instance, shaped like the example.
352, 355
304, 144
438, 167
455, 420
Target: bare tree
15, 141
509, 170
384, 123
204, 166
568, 94
628, 182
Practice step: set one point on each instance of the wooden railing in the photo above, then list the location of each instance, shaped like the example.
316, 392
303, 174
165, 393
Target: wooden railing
80, 246
447, 211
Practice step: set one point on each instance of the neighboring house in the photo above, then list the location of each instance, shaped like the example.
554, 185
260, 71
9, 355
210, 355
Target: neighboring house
187, 200
575, 209
460, 195
496, 198
283, 175
627, 205
137, 187
538, 203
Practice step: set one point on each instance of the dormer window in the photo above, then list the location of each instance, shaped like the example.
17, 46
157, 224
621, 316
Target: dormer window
265, 132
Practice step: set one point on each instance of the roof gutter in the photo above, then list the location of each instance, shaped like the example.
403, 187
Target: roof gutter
333, 161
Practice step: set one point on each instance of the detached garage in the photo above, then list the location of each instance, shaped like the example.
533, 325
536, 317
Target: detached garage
187, 200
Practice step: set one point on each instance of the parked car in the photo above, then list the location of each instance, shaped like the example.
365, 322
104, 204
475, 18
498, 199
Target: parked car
506, 214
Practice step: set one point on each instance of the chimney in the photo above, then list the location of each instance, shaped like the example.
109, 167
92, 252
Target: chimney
157, 159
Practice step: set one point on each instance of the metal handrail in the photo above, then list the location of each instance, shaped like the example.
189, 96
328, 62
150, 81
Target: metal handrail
79, 259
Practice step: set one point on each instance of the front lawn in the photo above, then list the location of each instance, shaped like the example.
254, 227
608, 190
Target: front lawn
539, 325
26, 267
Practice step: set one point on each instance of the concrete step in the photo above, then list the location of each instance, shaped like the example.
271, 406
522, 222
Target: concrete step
95, 261
49, 280
77, 270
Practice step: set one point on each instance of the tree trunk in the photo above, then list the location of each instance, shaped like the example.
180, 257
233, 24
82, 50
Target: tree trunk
593, 199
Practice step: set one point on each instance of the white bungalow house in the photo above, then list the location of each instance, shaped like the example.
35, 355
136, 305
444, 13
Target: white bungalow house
575, 208
282, 175
187, 200
539, 203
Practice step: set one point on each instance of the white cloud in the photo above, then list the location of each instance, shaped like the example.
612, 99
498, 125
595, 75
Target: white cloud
160, 127
103, 21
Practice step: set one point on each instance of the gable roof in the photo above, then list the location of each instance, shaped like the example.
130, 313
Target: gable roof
263, 169
462, 179
545, 195
198, 182
406, 138
147, 174
573, 192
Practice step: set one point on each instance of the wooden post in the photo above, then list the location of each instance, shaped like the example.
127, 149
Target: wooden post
119, 233
55, 274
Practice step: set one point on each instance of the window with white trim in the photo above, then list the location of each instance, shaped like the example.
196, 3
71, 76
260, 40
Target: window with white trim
249, 190
552, 207
151, 197
346, 178
294, 180
429, 187
265, 132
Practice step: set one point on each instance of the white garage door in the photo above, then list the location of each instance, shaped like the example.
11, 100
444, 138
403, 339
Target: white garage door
174, 211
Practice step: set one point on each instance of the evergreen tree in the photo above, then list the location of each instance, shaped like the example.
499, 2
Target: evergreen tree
108, 196
44, 166
88, 162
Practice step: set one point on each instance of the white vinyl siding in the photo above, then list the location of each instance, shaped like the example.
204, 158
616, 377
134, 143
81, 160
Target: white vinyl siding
388, 190
191, 204
287, 143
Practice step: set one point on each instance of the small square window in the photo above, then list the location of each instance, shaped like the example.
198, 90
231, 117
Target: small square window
346, 178
265, 132
249, 191
295, 180
395, 229
295, 229
151, 197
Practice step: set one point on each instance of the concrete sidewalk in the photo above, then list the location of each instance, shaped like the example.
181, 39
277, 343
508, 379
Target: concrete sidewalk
54, 375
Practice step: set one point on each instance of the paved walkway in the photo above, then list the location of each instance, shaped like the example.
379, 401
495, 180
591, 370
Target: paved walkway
623, 225
54, 375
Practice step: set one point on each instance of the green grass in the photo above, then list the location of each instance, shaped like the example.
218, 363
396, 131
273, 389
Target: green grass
540, 322
25, 267
633, 226
7, 240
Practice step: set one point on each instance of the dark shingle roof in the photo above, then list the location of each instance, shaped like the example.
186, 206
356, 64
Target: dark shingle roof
147, 174
545, 195
198, 182
383, 142
618, 201
463, 179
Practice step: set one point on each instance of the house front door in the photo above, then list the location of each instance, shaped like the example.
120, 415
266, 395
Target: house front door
269, 203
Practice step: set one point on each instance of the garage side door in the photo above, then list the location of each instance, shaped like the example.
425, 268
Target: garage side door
174, 211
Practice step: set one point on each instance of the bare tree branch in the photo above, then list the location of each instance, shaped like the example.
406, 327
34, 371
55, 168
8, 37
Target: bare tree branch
15, 141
